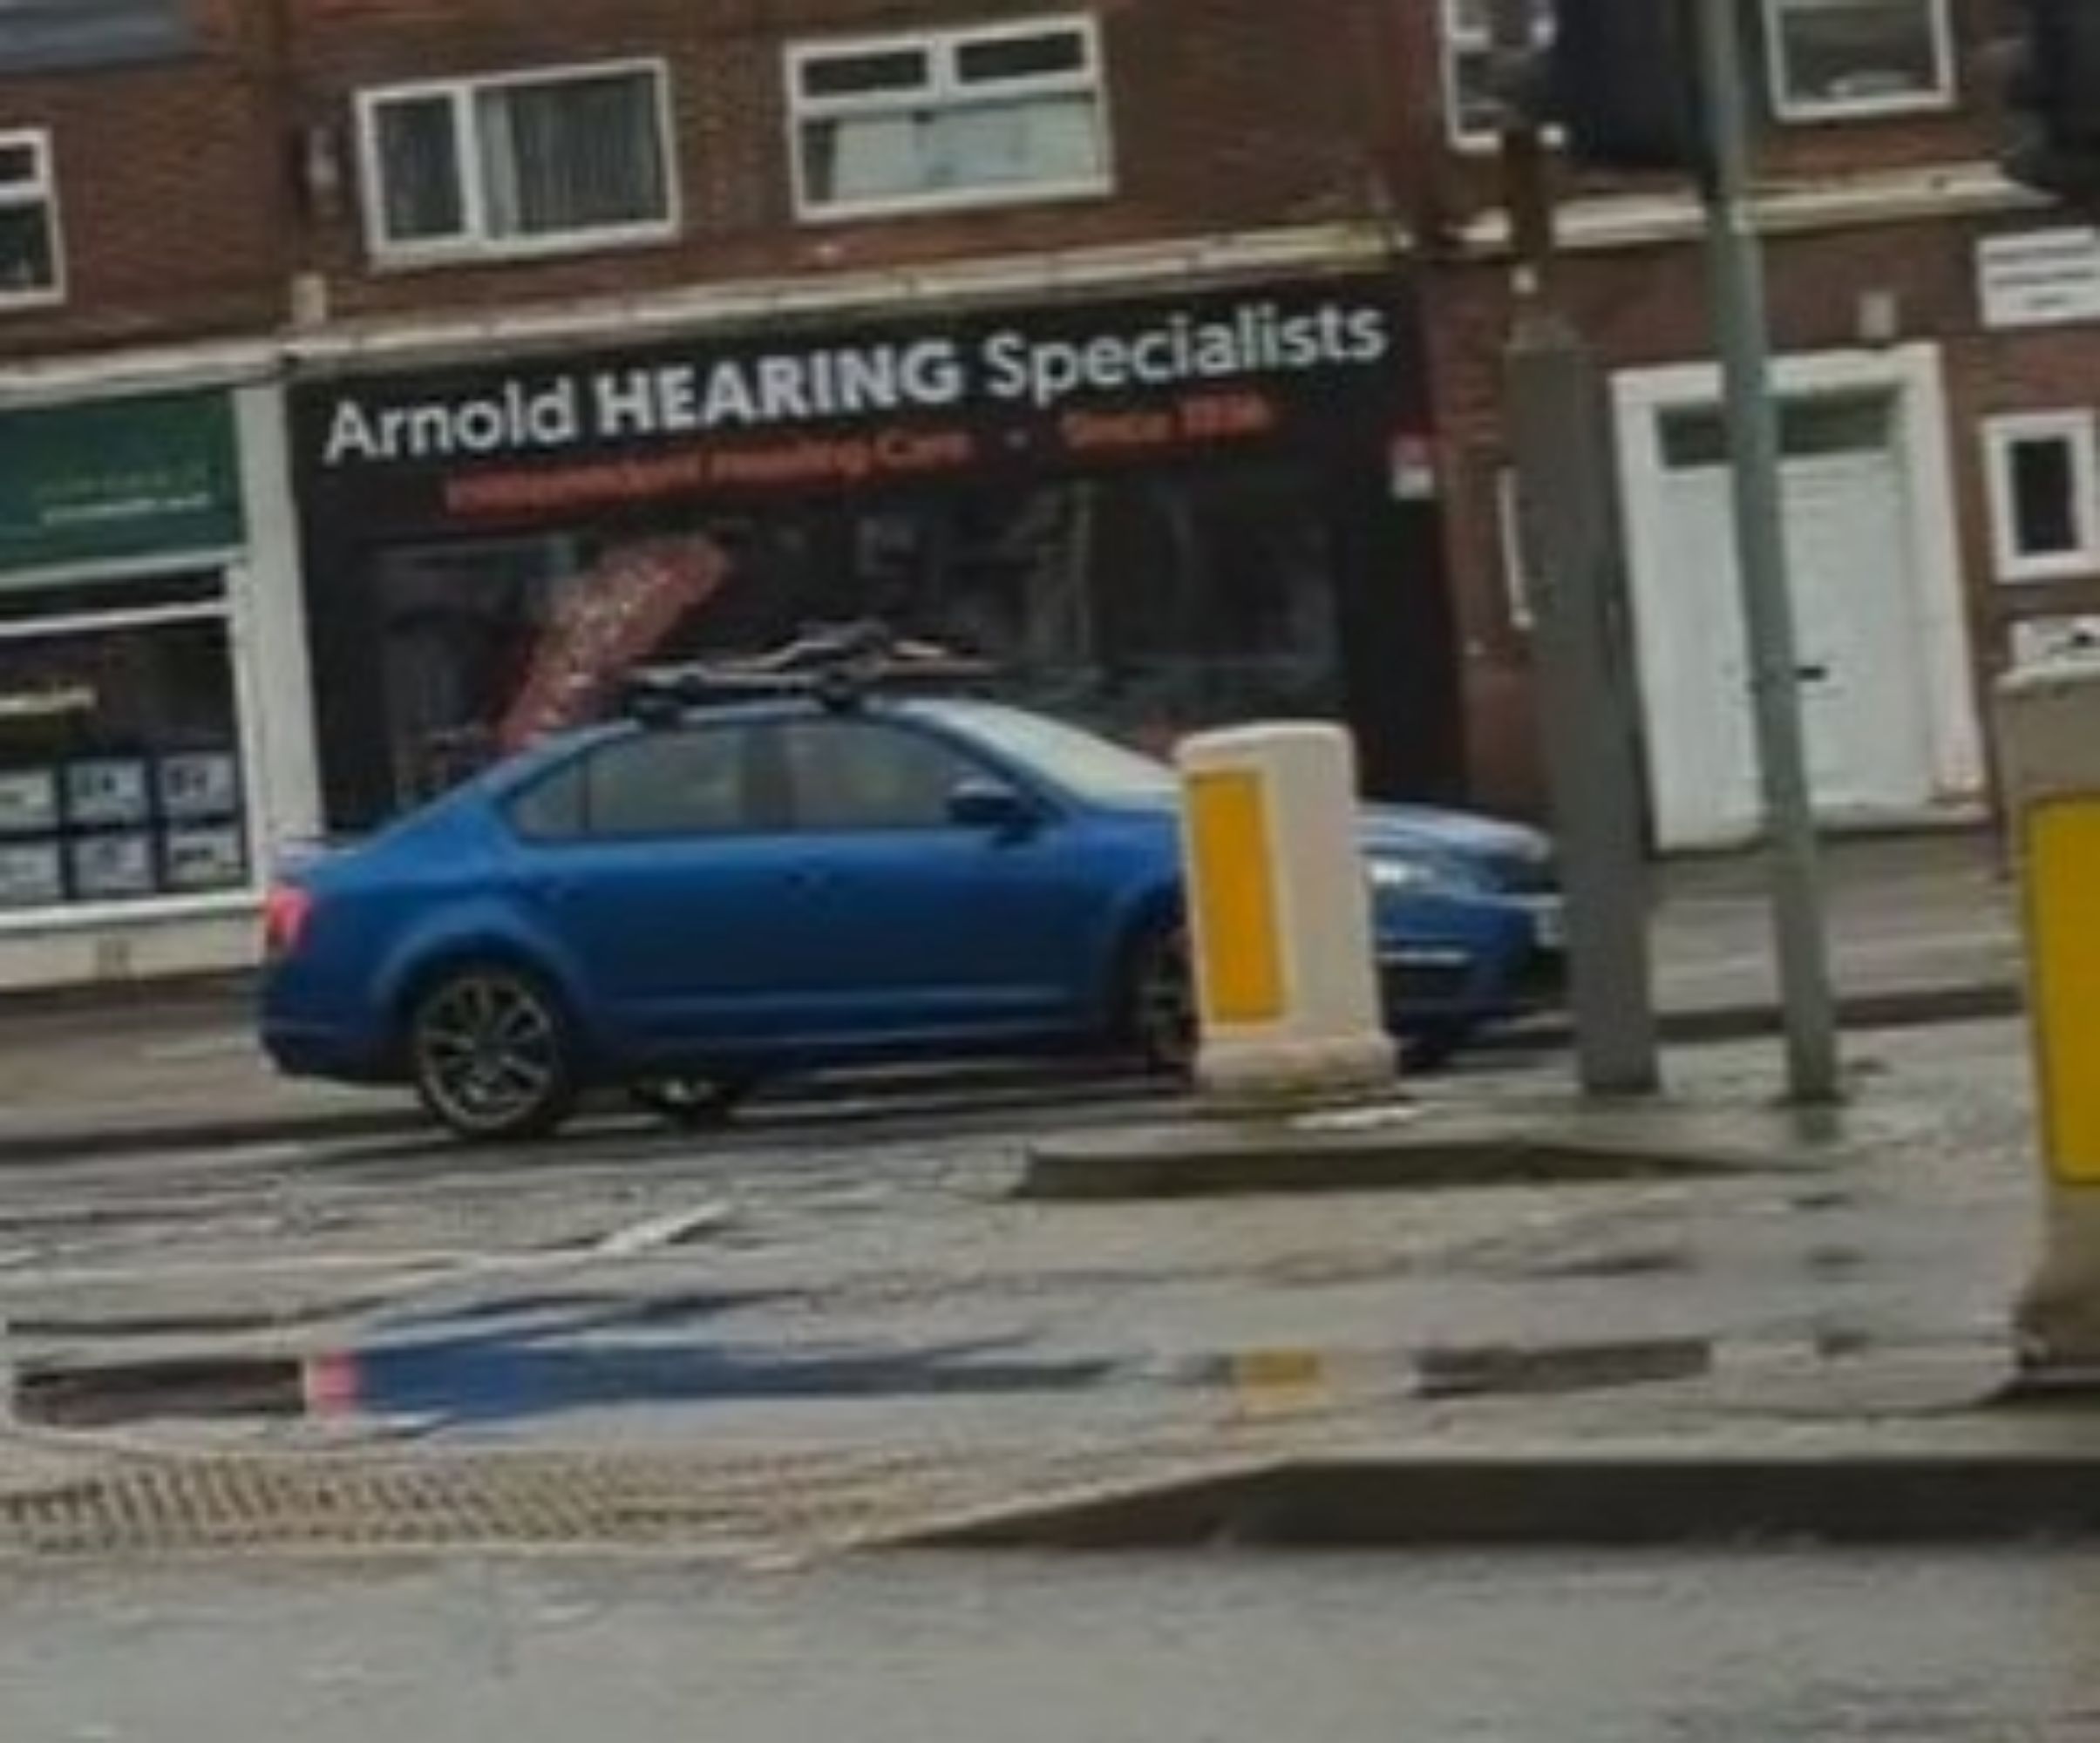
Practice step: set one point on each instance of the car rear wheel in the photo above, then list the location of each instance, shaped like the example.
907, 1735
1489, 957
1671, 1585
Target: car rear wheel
490, 1051
1160, 1002
691, 1103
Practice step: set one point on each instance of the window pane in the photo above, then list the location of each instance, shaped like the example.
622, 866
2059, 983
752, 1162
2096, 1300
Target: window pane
1817, 427
28, 258
1052, 52
553, 809
18, 165
1477, 111
420, 195
864, 158
851, 774
2044, 479
861, 75
1835, 52
44, 36
688, 783
1043, 140
585, 154
120, 766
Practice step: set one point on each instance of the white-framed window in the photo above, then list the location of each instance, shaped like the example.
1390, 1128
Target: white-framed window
124, 747
1469, 44
33, 267
1841, 60
549, 161
2044, 472
938, 120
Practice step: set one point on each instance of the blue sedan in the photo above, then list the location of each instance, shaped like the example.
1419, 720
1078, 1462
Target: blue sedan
687, 905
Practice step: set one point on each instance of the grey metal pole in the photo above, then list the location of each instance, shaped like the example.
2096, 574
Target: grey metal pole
1814, 1072
1560, 425
1560, 432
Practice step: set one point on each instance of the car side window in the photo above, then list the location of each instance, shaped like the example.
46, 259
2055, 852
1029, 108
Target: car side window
864, 774
551, 808
692, 781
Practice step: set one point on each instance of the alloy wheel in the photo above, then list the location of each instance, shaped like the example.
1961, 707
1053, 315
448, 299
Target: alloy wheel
490, 1057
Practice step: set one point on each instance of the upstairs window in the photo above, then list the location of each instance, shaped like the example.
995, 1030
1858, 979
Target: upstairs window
533, 163
56, 36
949, 118
1827, 60
29, 263
1469, 109
1836, 59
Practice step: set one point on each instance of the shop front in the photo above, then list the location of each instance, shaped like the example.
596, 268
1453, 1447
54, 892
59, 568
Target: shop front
1153, 514
138, 803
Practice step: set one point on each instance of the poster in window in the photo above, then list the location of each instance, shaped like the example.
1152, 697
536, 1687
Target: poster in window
199, 859
107, 792
108, 867
29, 801
32, 874
199, 784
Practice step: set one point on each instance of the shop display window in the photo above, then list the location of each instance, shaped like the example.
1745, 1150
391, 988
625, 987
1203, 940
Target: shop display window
1146, 606
121, 776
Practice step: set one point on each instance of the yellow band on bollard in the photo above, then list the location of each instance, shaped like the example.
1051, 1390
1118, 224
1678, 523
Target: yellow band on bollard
1240, 974
2063, 945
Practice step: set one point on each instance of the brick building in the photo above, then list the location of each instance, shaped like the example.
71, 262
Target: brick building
1940, 369
392, 367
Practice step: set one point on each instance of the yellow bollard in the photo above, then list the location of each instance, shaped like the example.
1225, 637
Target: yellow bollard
2050, 753
1280, 918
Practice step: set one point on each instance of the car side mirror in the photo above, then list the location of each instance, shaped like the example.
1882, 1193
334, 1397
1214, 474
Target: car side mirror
992, 806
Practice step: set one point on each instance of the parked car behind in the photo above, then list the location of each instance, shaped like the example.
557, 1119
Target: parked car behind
694, 902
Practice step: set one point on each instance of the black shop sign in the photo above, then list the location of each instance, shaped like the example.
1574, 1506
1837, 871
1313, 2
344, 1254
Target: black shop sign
797, 412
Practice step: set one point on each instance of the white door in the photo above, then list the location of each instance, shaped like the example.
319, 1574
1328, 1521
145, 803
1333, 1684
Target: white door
1866, 708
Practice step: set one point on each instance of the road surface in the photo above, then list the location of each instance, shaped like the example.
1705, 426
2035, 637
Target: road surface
1762, 1649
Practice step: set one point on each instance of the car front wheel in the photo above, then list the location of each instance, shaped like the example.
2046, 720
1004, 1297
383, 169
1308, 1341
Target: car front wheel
489, 1053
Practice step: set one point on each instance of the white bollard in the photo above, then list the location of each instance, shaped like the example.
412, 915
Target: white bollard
1280, 918
2049, 734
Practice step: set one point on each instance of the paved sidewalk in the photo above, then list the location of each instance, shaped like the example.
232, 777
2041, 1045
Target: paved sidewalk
1921, 927
1827, 1321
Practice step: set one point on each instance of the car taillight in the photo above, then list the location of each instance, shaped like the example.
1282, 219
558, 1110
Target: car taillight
285, 912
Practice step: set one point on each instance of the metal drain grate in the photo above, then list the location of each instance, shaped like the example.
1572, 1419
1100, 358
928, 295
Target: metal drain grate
340, 1502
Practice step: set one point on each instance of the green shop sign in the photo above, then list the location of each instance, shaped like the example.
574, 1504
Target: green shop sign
119, 479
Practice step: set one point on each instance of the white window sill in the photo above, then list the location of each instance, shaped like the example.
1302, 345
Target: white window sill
146, 911
1487, 145
1867, 109
2077, 566
438, 257
937, 205
26, 302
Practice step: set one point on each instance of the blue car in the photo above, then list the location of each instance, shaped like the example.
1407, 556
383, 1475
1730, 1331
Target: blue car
690, 902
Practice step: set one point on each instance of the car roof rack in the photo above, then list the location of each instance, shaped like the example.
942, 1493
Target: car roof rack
838, 666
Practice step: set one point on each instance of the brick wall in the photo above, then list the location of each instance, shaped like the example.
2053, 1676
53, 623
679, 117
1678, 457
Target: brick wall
169, 194
1646, 306
1438, 187
1225, 114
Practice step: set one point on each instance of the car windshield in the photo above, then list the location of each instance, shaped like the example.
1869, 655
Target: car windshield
1086, 765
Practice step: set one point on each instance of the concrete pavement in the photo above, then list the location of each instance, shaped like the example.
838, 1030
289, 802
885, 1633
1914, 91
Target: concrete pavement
1727, 1646
778, 1343
1922, 930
